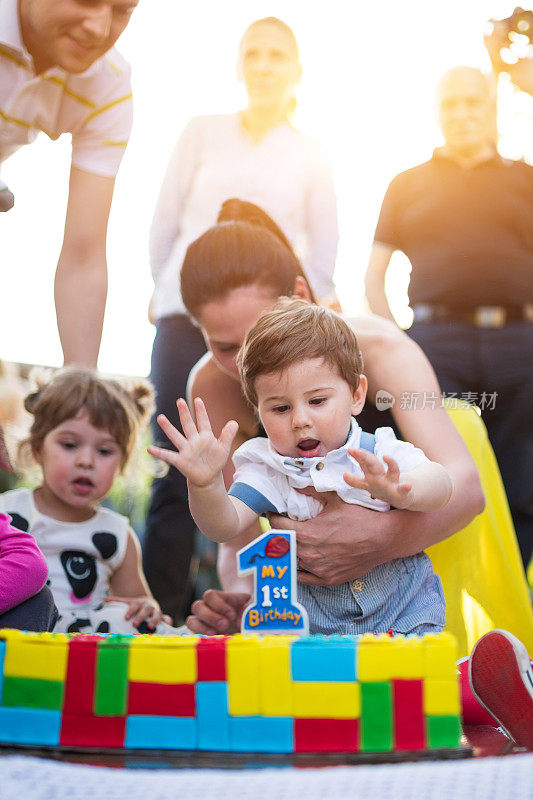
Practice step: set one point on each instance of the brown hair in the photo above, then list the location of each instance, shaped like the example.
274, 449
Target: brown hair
292, 331
245, 248
121, 406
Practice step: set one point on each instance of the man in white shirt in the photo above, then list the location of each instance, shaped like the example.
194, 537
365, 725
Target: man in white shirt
60, 74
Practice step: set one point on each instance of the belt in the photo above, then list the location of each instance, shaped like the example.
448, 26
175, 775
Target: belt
481, 317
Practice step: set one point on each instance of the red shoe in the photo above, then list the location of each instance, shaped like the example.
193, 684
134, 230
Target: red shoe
5, 461
502, 680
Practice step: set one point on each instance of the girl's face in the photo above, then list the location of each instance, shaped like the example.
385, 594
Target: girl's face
226, 322
79, 463
268, 65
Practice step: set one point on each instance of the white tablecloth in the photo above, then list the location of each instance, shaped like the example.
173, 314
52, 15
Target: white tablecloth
29, 778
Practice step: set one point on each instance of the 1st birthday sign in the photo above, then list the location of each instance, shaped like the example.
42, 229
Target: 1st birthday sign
271, 558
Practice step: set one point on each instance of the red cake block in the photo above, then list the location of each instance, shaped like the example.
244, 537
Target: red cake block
211, 659
409, 727
326, 735
163, 699
80, 730
80, 680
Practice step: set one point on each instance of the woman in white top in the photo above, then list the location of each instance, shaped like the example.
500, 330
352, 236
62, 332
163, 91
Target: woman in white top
257, 155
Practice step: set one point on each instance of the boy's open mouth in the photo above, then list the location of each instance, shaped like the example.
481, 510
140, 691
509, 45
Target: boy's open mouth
308, 447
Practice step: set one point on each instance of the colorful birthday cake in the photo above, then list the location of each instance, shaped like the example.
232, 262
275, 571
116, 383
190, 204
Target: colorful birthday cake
260, 694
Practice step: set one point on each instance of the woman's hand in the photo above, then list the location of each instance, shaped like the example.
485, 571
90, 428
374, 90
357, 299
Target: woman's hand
381, 480
217, 612
343, 542
141, 609
200, 455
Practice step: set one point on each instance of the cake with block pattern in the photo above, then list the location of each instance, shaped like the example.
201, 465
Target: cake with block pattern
260, 694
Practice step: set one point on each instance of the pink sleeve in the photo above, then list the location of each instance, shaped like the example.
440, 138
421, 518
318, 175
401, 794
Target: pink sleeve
23, 569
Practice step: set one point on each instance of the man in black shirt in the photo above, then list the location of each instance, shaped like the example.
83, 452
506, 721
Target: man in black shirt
465, 220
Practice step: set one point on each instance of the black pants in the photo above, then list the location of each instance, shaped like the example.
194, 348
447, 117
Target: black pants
495, 365
38, 613
169, 535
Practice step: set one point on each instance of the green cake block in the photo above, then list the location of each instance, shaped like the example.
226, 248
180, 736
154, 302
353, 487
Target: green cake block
376, 716
32, 693
111, 680
443, 731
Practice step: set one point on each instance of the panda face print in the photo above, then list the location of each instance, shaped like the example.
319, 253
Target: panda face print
80, 567
80, 570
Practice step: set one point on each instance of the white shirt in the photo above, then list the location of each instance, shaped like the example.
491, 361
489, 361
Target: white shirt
285, 173
94, 106
277, 477
81, 556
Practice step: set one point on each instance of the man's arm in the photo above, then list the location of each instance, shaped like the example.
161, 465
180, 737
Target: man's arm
81, 275
376, 272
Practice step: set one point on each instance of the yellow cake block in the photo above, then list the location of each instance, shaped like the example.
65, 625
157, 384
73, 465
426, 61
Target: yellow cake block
440, 655
408, 658
375, 660
162, 659
276, 684
327, 700
42, 656
243, 675
441, 696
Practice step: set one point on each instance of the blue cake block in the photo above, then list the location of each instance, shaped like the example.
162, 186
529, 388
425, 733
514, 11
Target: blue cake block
262, 734
212, 715
30, 726
165, 733
313, 663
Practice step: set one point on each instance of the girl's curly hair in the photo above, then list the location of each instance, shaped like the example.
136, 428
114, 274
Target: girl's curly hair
121, 406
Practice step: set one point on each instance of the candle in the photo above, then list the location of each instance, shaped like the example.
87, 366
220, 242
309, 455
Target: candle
271, 559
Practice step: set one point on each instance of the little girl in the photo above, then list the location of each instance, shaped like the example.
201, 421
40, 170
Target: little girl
301, 368
83, 432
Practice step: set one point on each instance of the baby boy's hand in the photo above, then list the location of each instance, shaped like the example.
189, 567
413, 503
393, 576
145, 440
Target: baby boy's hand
381, 480
200, 455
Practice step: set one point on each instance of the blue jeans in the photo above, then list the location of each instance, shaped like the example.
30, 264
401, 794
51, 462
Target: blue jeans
169, 535
471, 359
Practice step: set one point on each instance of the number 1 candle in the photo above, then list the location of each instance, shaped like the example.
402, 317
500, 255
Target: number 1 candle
271, 558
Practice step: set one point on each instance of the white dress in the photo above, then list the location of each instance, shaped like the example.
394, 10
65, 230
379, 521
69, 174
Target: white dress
81, 559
